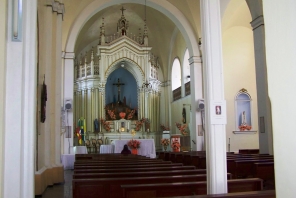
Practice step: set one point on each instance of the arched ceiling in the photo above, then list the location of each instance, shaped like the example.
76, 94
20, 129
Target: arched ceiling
160, 27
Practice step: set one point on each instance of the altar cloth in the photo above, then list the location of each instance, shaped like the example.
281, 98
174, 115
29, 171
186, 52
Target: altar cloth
147, 147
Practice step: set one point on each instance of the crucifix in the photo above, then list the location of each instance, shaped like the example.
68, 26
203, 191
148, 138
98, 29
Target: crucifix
122, 9
118, 86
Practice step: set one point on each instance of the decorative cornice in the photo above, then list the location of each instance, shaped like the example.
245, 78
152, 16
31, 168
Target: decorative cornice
257, 22
56, 6
195, 59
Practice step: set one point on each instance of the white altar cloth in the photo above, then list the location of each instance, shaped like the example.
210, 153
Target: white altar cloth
68, 161
80, 150
107, 148
147, 147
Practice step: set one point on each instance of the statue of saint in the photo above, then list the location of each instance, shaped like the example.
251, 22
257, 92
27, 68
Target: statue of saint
244, 120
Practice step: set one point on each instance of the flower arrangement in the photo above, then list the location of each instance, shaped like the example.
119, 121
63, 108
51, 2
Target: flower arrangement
176, 145
131, 114
133, 144
164, 128
244, 127
111, 114
182, 128
122, 115
165, 142
105, 124
139, 124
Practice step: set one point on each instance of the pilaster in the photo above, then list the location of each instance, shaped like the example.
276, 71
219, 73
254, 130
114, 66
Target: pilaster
263, 101
20, 105
197, 143
68, 87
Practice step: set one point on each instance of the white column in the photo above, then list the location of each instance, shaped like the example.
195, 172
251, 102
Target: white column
68, 93
280, 31
20, 107
47, 137
214, 97
196, 93
263, 101
58, 94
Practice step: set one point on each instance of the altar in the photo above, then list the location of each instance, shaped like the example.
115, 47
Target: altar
147, 147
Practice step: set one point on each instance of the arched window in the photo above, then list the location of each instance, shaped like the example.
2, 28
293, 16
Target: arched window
176, 74
186, 67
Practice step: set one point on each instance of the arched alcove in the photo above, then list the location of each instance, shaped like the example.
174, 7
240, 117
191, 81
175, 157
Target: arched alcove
128, 90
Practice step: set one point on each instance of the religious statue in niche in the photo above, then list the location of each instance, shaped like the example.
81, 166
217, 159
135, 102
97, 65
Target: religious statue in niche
243, 110
184, 115
147, 125
244, 126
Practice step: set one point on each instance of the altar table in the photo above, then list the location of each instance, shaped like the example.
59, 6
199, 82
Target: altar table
80, 150
147, 147
68, 161
107, 148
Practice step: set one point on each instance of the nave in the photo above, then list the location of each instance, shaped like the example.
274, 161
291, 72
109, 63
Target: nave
170, 175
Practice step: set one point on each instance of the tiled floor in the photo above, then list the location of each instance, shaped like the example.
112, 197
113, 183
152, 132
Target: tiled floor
61, 190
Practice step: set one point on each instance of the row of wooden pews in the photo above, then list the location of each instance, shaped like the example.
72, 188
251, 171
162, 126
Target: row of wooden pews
241, 165
131, 176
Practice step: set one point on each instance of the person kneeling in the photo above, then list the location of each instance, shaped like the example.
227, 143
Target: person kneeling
125, 150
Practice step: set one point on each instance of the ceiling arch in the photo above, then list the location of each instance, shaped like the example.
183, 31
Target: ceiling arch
163, 7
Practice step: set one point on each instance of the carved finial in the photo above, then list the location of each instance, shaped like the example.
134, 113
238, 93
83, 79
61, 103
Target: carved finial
92, 53
85, 57
243, 90
103, 27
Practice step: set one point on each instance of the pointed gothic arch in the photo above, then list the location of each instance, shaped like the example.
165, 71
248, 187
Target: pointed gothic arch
131, 66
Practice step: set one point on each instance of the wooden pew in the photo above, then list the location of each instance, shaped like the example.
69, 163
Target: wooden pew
245, 168
119, 163
133, 169
110, 187
251, 194
116, 156
186, 188
142, 174
231, 162
264, 170
249, 151
115, 166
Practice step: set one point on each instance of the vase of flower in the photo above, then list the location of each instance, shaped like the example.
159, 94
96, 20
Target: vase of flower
165, 147
135, 151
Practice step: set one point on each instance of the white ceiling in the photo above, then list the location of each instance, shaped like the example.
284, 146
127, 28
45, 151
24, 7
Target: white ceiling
160, 27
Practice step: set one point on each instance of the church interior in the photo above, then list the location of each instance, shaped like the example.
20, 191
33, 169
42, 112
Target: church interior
213, 78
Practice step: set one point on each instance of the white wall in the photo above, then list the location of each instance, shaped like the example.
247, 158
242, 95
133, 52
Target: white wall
176, 111
3, 18
239, 72
280, 31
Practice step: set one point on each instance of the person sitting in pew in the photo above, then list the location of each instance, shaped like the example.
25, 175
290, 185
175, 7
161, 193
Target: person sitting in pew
125, 150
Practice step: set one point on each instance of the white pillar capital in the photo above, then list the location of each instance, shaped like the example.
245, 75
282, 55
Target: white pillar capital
195, 59
257, 22
69, 55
